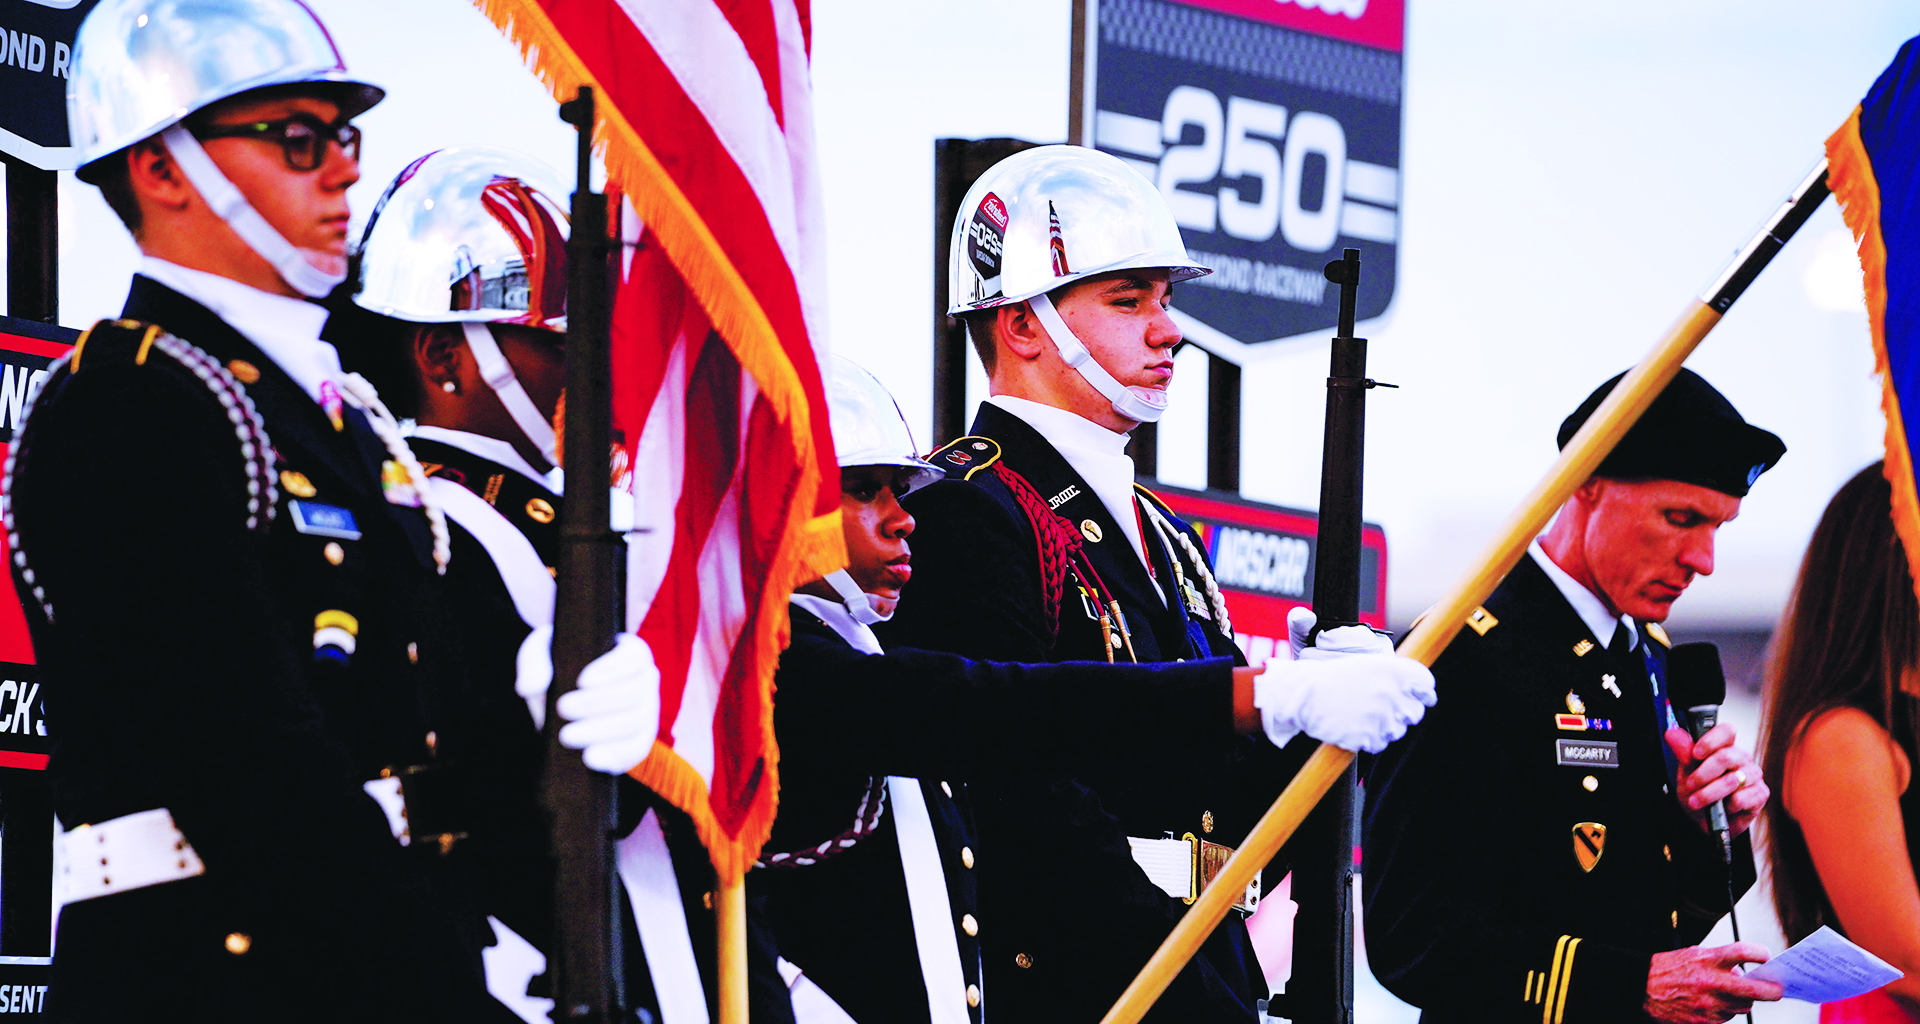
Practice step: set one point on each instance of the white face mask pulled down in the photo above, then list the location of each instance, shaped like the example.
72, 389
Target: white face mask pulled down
498, 373
1144, 405
310, 272
859, 603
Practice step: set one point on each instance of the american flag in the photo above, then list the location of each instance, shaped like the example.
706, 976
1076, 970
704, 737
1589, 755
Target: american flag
705, 124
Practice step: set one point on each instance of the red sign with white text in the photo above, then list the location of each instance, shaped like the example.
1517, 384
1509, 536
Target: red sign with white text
1377, 23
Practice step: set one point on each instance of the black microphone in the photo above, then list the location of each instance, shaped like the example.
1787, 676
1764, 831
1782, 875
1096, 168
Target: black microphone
1697, 684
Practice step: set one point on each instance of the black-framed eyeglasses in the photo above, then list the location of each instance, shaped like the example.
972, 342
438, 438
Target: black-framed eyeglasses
303, 138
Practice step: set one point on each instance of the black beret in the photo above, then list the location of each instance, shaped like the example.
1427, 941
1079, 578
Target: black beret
1691, 433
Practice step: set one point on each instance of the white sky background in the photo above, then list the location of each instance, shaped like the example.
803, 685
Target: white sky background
1571, 177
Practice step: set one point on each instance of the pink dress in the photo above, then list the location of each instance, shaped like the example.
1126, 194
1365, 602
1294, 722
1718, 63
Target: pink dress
1875, 1007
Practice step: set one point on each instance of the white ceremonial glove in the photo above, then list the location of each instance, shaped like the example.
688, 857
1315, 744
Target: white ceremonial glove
614, 712
1334, 642
533, 672
1355, 701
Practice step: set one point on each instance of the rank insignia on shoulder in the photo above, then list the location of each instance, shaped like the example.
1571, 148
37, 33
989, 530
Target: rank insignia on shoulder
1655, 631
1589, 842
1580, 649
965, 457
1481, 621
315, 519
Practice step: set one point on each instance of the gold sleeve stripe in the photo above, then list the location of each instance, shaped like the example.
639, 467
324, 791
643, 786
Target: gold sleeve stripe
1526, 994
1553, 981
1540, 988
1560, 1006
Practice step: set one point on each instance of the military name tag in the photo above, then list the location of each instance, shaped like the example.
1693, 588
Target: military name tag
319, 520
1588, 753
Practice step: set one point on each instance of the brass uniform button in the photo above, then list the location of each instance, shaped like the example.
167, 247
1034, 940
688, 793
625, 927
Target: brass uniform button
245, 373
1590, 783
238, 943
539, 510
335, 554
944, 788
1090, 530
969, 925
706, 898
1667, 851
1206, 822
1022, 961
296, 483
1676, 919
966, 857
973, 995
413, 653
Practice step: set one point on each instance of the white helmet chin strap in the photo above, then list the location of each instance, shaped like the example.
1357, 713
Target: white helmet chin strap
1145, 405
498, 374
859, 605
298, 267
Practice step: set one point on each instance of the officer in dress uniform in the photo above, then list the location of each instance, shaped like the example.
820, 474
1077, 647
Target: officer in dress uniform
463, 276
1535, 849
231, 569
870, 872
1038, 546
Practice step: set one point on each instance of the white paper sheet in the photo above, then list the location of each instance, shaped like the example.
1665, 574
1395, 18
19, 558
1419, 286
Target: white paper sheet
1825, 968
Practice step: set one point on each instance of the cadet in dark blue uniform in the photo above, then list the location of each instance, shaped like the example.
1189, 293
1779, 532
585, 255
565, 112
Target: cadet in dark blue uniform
231, 572
1038, 546
461, 313
870, 875
1534, 849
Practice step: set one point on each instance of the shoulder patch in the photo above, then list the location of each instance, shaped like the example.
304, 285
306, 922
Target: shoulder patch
1654, 631
965, 457
1482, 621
1158, 501
122, 337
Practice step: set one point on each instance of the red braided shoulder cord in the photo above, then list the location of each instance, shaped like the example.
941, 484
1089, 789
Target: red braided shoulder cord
1059, 548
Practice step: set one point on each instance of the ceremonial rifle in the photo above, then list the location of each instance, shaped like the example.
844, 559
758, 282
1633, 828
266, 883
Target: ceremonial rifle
1582, 455
584, 965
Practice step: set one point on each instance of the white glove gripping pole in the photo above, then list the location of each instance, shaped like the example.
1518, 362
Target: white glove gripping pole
498, 374
1145, 405
854, 598
294, 264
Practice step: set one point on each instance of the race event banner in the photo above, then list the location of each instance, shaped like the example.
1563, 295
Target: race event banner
1273, 129
1263, 559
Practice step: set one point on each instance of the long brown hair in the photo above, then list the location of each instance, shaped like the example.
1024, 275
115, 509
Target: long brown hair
1850, 637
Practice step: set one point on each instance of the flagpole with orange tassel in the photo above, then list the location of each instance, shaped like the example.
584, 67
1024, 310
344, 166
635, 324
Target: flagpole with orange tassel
1582, 455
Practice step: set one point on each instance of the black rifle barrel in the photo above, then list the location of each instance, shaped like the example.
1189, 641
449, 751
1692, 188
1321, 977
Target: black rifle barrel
1321, 991
586, 974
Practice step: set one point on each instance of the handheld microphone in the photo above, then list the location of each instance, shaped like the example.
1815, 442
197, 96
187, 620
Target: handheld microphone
1696, 682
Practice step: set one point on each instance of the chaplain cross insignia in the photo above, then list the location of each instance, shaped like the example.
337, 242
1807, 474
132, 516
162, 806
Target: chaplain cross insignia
1611, 686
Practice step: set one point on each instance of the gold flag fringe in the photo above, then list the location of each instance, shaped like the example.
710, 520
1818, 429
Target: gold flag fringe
811, 546
1850, 178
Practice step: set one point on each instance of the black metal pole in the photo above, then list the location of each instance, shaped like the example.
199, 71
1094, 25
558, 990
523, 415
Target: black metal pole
33, 243
587, 958
1321, 990
1223, 425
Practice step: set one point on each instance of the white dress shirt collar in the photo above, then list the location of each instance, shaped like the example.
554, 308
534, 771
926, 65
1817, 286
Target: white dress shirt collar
1590, 608
490, 448
834, 614
286, 329
1099, 455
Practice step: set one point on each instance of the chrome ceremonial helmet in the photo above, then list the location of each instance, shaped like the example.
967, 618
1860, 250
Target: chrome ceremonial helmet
473, 235
868, 430
1050, 216
140, 67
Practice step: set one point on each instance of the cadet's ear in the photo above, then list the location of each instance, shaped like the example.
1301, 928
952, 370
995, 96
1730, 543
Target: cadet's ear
439, 353
1019, 331
154, 178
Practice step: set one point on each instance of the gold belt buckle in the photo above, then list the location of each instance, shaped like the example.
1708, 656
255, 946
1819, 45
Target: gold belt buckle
1208, 859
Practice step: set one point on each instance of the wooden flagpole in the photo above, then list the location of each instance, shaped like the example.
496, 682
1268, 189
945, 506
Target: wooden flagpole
1582, 455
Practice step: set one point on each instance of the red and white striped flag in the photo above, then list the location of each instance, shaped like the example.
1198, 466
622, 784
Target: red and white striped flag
705, 123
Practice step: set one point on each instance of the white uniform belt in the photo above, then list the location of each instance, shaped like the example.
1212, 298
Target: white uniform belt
129, 852
1184, 867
